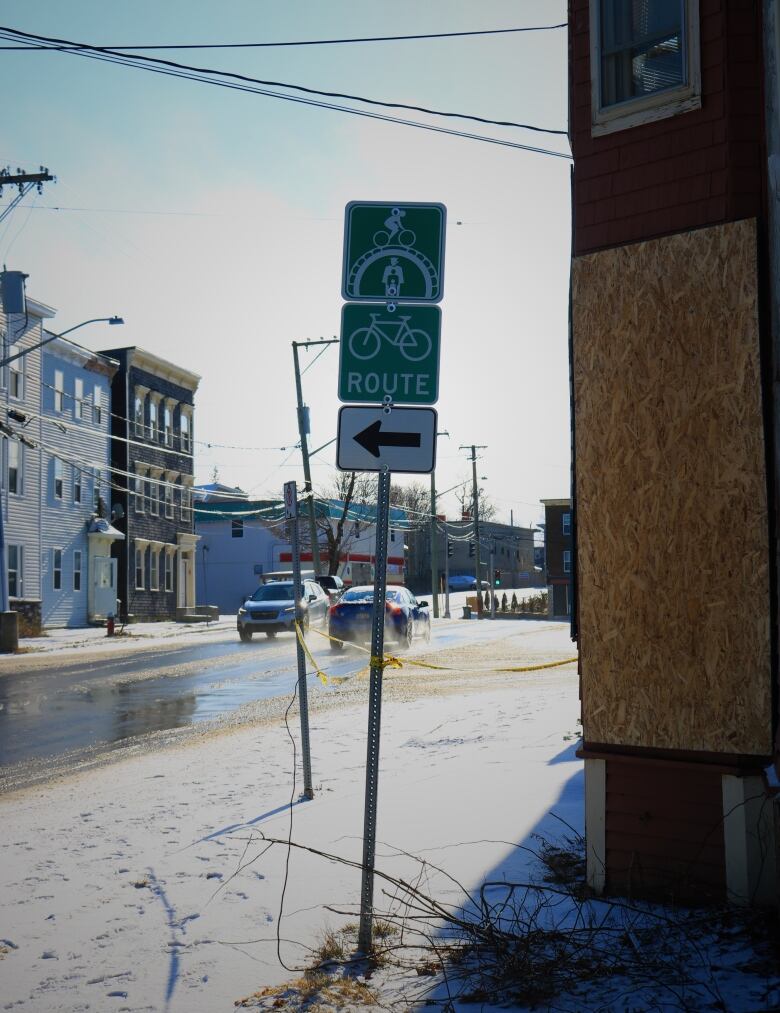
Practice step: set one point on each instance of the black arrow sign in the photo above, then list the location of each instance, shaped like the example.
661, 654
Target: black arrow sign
372, 438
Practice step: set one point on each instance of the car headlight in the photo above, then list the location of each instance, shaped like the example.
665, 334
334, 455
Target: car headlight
242, 612
290, 609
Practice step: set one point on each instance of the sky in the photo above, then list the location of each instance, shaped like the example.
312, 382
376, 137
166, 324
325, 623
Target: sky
212, 220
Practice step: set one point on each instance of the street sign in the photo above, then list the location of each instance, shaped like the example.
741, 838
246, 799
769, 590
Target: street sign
290, 500
373, 439
393, 252
389, 353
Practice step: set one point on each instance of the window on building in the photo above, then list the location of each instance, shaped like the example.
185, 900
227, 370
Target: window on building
78, 400
153, 418
15, 571
168, 426
96, 489
76, 485
97, 405
16, 374
566, 523
139, 492
185, 432
567, 560
154, 496
139, 414
77, 570
645, 60
59, 390
14, 467
58, 478
168, 495
56, 569
139, 568
168, 571
185, 503
154, 569
237, 528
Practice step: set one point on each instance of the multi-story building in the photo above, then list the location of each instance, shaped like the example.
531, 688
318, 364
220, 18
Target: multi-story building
558, 555
78, 576
675, 310
152, 478
20, 425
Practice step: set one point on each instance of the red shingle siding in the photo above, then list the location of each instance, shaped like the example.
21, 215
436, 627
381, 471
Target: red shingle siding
696, 169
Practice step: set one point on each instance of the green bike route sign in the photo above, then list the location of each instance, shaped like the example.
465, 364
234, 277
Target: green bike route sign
393, 252
394, 354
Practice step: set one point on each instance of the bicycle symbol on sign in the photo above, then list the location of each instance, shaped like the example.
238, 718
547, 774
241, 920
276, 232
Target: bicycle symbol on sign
413, 344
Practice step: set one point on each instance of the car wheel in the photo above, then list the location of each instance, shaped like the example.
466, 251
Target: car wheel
408, 635
306, 623
428, 632
270, 634
246, 636
337, 645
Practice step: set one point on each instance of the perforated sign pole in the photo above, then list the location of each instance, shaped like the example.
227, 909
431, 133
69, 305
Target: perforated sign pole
291, 512
374, 713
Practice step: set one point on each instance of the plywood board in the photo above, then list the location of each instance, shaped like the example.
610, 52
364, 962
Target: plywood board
673, 548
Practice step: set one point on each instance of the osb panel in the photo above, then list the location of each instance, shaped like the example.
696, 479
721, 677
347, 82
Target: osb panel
671, 495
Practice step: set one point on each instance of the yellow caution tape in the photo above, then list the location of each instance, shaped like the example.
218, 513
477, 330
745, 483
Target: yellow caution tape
323, 677
537, 668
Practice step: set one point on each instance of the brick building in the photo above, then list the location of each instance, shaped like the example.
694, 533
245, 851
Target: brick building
675, 133
152, 475
558, 555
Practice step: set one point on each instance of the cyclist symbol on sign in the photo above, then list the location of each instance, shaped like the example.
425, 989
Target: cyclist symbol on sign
396, 233
413, 344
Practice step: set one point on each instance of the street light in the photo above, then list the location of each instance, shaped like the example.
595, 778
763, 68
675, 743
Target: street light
26, 351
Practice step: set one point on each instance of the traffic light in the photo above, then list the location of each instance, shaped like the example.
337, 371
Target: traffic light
471, 549
497, 578
450, 548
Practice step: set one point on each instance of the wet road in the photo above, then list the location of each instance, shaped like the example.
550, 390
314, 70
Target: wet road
89, 701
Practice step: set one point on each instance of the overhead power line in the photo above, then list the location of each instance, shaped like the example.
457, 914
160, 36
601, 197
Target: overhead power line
327, 42
208, 74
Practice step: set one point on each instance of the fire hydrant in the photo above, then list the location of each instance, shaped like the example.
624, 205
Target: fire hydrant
110, 625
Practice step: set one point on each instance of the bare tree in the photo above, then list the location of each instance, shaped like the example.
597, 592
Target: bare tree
348, 489
415, 498
464, 496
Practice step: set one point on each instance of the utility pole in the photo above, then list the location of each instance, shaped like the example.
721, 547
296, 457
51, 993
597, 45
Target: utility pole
434, 553
475, 496
446, 573
315, 545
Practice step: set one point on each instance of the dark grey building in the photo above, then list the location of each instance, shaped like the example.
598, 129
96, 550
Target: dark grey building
152, 479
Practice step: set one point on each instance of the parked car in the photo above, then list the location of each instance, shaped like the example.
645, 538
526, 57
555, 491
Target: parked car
271, 609
465, 582
349, 619
333, 585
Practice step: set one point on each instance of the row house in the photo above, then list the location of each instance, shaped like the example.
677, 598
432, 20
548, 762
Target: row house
152, 469
558, 555
55, 468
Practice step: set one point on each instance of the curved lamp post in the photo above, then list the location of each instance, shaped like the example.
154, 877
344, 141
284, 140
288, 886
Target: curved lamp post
25, 351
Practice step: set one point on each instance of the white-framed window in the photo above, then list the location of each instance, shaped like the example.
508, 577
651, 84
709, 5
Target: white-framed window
96, 490
139, 568
97, 404
154, 418
78, 398
16, 375
15, 453
56, 569
154, 496
77, 569
76, 484
168, 426
185, 431
15, 571
168, 571
154, 569
185, 503
645, 62
58, 470
59, 390
237, 528
168, 495
138, 413
567, 560
139, 492
566, 523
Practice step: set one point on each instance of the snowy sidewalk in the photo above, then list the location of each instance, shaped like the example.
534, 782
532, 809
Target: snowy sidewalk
135, 634
121, 887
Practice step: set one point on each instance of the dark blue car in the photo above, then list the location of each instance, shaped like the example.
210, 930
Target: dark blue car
349, 619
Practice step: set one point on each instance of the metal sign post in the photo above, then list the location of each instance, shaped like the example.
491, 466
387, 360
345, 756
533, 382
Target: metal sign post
374, 713
446, 573
291, 513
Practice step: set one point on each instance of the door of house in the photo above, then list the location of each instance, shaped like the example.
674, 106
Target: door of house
104, 576
186, 582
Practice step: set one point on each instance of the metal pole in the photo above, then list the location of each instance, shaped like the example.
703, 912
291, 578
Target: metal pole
434, 553
476, 527
308, 791
315, 545
492, 582
446, 574
374, 713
